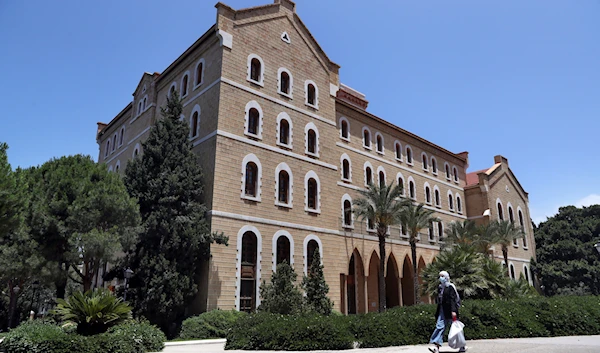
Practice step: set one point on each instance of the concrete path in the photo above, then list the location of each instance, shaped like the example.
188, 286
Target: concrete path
577, 344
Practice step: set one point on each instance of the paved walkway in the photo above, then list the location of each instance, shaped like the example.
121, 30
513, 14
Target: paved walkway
577, 344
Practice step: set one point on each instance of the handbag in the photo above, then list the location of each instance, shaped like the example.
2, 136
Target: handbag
456, 337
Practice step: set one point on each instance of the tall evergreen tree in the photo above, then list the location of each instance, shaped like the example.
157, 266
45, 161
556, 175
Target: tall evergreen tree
10, 200
316, 288
176, 238
281, 295
80, 214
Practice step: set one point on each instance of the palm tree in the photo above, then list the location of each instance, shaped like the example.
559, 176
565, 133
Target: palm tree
414, 218
462, 233
485, 238
506, 233
382, 206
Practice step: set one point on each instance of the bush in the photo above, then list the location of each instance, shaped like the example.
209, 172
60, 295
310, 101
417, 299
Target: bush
211, 324
483, 319
266, 331
43, 337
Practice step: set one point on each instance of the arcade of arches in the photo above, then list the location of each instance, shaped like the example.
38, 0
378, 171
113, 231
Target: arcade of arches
360, 285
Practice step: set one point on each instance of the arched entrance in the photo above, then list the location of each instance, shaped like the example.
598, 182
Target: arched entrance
355, 283
373, 283
424, 299
408, 286
392, 292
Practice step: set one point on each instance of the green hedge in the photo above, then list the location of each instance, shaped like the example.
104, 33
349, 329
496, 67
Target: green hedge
483, 319
44, 337
266, 331
212, 324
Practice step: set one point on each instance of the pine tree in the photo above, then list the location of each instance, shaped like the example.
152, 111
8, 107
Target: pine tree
316, 288
281, 296
176, 238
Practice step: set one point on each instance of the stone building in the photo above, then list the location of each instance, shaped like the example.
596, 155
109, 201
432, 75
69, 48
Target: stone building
285, 147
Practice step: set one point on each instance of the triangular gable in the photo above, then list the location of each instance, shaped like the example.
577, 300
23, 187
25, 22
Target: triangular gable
146, 79
506, 171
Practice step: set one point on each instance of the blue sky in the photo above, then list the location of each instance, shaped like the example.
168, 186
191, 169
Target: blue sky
517, 78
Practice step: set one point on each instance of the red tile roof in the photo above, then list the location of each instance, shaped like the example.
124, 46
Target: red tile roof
472, 177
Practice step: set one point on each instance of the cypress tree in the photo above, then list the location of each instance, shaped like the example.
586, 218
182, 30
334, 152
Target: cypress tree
176, 237
316, 288
281, 296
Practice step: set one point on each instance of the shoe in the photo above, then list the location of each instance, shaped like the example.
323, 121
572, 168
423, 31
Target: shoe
462, 350
434, 349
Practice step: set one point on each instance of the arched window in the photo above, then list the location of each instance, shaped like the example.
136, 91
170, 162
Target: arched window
253, 121
251, 183
136, 150
194, 125
199, 73
381, 179
520, 215
344, 129
447, 168
438, 201
433, 165
114, 142
311, 184
450, 202
411, 189
184, 86
144, 103
511, 217
366, 138
379, 141
312, 194
500, 211
458, 204
107, 148
368, 176
117, 167
400, 180
347, 210
285, 82
424, 160
512, 272
310, 252
311, 94
248, 272
345, 169
283, 250
172, 90
284, 132
427, 194
430, 231
409, 156
398, 149
283, 191
121, 136
312, 141
256, 70
526, 273
440, 230
455, 172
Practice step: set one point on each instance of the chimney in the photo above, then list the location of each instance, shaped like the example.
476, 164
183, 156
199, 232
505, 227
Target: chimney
500, 159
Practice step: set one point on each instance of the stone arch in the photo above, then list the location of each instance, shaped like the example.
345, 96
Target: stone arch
392, 284
408, 286
420, 269
373, 283
355, 285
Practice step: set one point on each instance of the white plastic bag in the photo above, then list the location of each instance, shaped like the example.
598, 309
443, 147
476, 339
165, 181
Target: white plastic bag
456, 337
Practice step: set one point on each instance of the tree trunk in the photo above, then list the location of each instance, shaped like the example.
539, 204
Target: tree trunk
505, 254
12, 305
61, 282
382, 301
413, 250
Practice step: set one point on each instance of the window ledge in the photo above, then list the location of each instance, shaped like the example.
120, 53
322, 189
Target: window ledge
426, 170
281, 204
438, 206
251, 135
184, 96
347, 180
312, 210
371, 230
381, 152
410, 164
197, 86
286, 95
283, 145
434, 173
367, 147
258, 83
428, 203
525, 248
316, 107
251, 198
346, 226
398, 159
459, 212
347, 139
313, 155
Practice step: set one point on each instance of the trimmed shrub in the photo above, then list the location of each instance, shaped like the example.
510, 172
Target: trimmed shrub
43, 337
266, 331
211, 324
